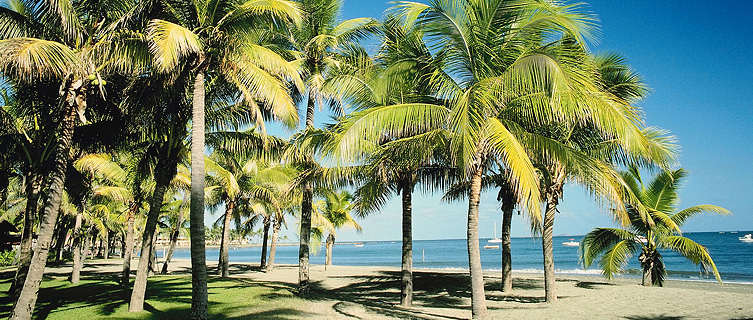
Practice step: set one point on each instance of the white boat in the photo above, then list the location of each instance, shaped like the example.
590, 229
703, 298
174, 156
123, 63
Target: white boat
358, 245
747, 238
495, 240
488, 246
571, 243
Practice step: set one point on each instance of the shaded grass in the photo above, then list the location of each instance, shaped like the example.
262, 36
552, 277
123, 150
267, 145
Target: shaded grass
167, 297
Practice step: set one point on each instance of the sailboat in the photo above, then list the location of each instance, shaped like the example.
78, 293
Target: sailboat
495, 240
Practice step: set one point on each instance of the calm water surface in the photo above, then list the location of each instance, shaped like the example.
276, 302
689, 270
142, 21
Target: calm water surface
733, 258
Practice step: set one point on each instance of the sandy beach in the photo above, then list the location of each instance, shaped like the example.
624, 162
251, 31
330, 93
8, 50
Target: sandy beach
345, 292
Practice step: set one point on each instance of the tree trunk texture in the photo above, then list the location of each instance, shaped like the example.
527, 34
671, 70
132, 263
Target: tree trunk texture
306, 205
328, 254
106, 242
199, 295
553, 196
507, 210
153, 256
165, 172
75, 99
478, 296
224, 264
273, 245
62, 237
128, 247
406, 278
174, 235
264, 241
27, 234
305, 237
78, 250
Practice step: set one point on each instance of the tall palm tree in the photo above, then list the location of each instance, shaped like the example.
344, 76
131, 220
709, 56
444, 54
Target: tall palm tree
647, 234
589, 145
333, 213
61, 42
223, 40
318, 39
490, 62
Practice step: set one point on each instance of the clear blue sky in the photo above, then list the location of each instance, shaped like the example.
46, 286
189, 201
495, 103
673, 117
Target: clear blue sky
697, 58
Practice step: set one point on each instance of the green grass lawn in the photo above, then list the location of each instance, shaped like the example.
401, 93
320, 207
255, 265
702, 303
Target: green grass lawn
167, 297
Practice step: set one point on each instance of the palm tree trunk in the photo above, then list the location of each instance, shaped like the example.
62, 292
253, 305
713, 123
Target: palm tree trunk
553, 196
406, 281
62, 237
478, 296
199, 295
224, 264
33, 183
153, 256
328, 256
106, 242
306, 205
305, 237
128, 248
173, 242
507, 209
265, 238
75, 98
78, 250
165, 172
273, 244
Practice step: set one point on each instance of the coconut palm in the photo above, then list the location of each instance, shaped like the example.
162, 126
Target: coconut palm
225, 40
243, 179
58, 42
176, 220
318, 40
332, 213
647, 234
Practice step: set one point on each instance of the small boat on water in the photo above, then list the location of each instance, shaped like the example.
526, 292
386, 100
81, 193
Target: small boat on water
733, 232
747, 238
489, 246
571, 243
358, 245
495, 240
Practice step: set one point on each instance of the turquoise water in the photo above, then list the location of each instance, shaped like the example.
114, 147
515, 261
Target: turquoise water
733, 258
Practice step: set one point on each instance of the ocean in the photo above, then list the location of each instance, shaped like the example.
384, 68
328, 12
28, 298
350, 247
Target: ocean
733, 258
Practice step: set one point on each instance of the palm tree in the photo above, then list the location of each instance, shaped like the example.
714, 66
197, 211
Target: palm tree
244, 180
58, 42
176, 219
583, 145
318, 40
647, 234
333, 213
223, 40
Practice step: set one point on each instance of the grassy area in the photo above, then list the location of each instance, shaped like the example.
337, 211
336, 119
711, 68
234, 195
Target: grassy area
168, 297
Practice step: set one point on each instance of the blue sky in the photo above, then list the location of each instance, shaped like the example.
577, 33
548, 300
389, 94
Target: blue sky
696, 57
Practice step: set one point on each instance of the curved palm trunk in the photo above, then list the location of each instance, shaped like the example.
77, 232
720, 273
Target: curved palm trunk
78, 250
306, 204
75, 99
406, 280
330, 243
128, 247
478, 296
165, 174
507, 209
225, 243
273, 245
24, 251
553, 195
173, 242
264, 240
199, 293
